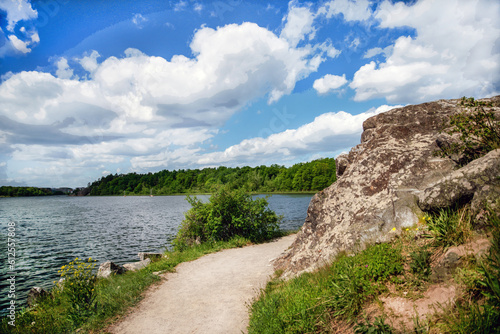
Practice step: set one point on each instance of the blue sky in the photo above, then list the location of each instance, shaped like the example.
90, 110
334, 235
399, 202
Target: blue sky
95, 87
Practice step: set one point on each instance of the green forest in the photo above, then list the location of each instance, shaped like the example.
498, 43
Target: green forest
302, 177
8, 191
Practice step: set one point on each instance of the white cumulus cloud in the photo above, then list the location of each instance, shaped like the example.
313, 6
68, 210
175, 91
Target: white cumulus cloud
328, 83
17, 10
454, 52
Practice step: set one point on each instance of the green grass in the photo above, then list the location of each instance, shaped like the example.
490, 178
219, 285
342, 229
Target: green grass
308, 303
114, 296
335, 294
450, 226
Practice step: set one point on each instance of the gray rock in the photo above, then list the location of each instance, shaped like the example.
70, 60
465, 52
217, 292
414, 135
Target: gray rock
379, 187
34, 294
478, 182
446, 267
142, 256
134, 266
109, 268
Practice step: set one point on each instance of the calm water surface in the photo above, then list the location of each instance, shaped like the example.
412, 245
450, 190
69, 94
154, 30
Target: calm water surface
51, 231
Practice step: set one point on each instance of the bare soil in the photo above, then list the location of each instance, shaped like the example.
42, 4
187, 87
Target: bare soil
208, 295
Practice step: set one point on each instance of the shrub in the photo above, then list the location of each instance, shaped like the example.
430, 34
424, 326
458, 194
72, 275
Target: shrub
229, 213
79, 287
478, 129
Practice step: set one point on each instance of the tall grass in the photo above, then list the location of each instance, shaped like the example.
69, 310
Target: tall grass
450, 226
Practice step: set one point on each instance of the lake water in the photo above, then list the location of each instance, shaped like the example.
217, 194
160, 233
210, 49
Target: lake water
52, 231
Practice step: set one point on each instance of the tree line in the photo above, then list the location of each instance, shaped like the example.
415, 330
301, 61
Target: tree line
310, 176
9, 191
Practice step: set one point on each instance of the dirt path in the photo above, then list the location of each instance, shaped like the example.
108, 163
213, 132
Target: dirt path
208, 295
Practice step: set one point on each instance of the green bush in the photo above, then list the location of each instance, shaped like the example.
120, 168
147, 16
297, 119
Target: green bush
479, 132
229, 213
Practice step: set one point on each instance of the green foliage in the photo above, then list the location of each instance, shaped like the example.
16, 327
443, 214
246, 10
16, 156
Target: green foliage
79, 287
478, 129
470, 314
490, 268
311, 176
229, 213
450, 227
469, 317
8, 191
377, 327
308, 303
356, 279
420, 264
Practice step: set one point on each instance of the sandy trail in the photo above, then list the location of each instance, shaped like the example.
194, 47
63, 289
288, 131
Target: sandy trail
208, 295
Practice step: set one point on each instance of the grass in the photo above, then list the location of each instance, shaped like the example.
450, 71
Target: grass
308, 303
113, 296
450, 226
336, 295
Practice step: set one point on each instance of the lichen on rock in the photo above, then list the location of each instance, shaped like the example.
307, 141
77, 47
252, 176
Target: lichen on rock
380, 185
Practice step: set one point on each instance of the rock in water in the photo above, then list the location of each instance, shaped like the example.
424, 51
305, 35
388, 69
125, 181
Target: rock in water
34, 294
134, 266
376, 194
108, 268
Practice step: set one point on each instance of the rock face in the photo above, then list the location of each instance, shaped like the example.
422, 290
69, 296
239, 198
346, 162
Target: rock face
379, 184
478, 182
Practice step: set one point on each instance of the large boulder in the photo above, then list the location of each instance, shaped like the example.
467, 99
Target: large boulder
377, 190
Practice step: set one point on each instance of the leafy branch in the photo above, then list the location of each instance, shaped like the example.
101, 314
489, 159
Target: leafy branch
478, 130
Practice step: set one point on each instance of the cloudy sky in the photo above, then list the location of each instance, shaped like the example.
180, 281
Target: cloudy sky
95, 87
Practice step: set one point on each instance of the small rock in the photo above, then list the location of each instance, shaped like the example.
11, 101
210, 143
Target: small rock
446, 267
143, 256
35, 293
134, 266
108, 268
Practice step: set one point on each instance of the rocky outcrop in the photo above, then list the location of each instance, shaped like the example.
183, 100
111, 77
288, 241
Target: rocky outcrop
378, 185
